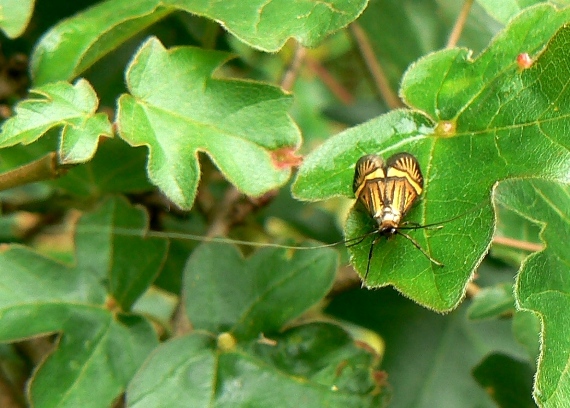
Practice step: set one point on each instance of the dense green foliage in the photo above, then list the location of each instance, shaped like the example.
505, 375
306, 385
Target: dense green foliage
149, 127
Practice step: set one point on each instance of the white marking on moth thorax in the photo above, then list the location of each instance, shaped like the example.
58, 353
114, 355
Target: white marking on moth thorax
388, 214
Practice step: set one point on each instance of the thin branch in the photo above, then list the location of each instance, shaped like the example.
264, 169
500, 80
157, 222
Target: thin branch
330, 81
459, 24
293, 71
9, 397
220, 226
45, 168
378, 74
515, 243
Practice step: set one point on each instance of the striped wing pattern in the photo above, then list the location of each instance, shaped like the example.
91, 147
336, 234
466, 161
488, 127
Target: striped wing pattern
396, 183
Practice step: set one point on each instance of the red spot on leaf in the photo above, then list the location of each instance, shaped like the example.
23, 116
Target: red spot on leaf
524, 61
285, 158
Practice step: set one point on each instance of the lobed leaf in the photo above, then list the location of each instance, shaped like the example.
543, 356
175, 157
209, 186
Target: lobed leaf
484, 120
296, 371
542, 284
78, 42
177, 109
256, 295
71, 107
39, 296
107, 241
266, 25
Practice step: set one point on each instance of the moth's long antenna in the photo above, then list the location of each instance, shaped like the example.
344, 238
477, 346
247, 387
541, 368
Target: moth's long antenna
201, 238
360, 238
439, 224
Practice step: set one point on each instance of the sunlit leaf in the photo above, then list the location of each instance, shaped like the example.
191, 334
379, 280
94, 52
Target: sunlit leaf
60, 105
75, 44
177, 109
15, 15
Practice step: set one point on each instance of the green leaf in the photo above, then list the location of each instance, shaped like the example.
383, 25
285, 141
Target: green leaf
15, 16
267, 25
504, 10
301, 369
62, 300
543, 282
422, 27
77, 43
177, 109
486, 110
526, 329
255, 295
513, 226
71, 107
428, 357
83, 358
507, 380
492, 302
108, 238
39, 295
483, 94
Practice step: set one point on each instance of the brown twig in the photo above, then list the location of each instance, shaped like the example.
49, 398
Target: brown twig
459, 24
45, 168
9, 398
330, 81
293, 71
515, 243
220, 226
378, 74
472, 290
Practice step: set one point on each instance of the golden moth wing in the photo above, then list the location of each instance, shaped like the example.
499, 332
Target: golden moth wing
369, 166
406, 166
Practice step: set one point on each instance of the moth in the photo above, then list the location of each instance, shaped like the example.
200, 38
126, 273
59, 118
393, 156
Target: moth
387, 191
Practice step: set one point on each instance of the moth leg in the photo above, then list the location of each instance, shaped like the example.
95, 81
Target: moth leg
413, 241
369, 258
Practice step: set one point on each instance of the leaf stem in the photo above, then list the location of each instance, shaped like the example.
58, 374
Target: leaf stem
459, 24
45, 168
220, 226
293, 71
515, 243
374, 67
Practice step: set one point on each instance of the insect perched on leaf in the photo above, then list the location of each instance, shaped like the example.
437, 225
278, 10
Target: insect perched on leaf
388, 190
